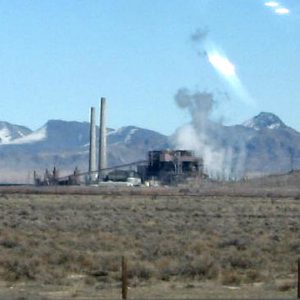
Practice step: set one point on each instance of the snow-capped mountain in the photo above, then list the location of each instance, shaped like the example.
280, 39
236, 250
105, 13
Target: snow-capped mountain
131, 143
65, 144
264, 144
261, 145
135, 135
264, 120
10, 132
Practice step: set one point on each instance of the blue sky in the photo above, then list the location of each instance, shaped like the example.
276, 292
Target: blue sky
58, 57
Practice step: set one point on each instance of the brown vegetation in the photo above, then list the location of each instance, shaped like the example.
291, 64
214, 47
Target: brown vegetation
52, 239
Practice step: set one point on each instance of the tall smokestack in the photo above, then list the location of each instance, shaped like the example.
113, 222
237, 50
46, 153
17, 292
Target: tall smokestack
92, 153
102, 163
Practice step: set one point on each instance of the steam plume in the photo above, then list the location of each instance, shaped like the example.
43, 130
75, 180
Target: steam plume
205, 137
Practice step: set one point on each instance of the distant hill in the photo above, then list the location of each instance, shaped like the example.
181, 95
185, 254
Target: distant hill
272, 146
66, 145
265, 120
265, 142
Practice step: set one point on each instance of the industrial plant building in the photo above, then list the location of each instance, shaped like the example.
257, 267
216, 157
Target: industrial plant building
163, 166
171, 166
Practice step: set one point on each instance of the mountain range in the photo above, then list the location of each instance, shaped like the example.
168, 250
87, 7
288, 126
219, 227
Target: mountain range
269, 146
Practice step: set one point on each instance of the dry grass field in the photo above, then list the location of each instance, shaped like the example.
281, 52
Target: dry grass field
184, 247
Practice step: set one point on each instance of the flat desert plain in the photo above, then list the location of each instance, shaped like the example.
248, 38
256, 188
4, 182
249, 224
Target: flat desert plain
64, 246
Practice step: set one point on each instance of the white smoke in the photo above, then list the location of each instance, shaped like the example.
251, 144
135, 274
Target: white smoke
222, 159
204, 137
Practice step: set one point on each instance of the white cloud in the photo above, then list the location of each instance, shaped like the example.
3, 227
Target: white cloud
282, 11
277, 8
271, 4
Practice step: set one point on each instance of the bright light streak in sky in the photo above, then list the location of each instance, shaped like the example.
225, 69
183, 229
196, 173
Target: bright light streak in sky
227, 70
222, 64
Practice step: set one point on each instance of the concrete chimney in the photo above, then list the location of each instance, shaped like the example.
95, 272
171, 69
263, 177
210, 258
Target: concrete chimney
102, 162
92, 153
